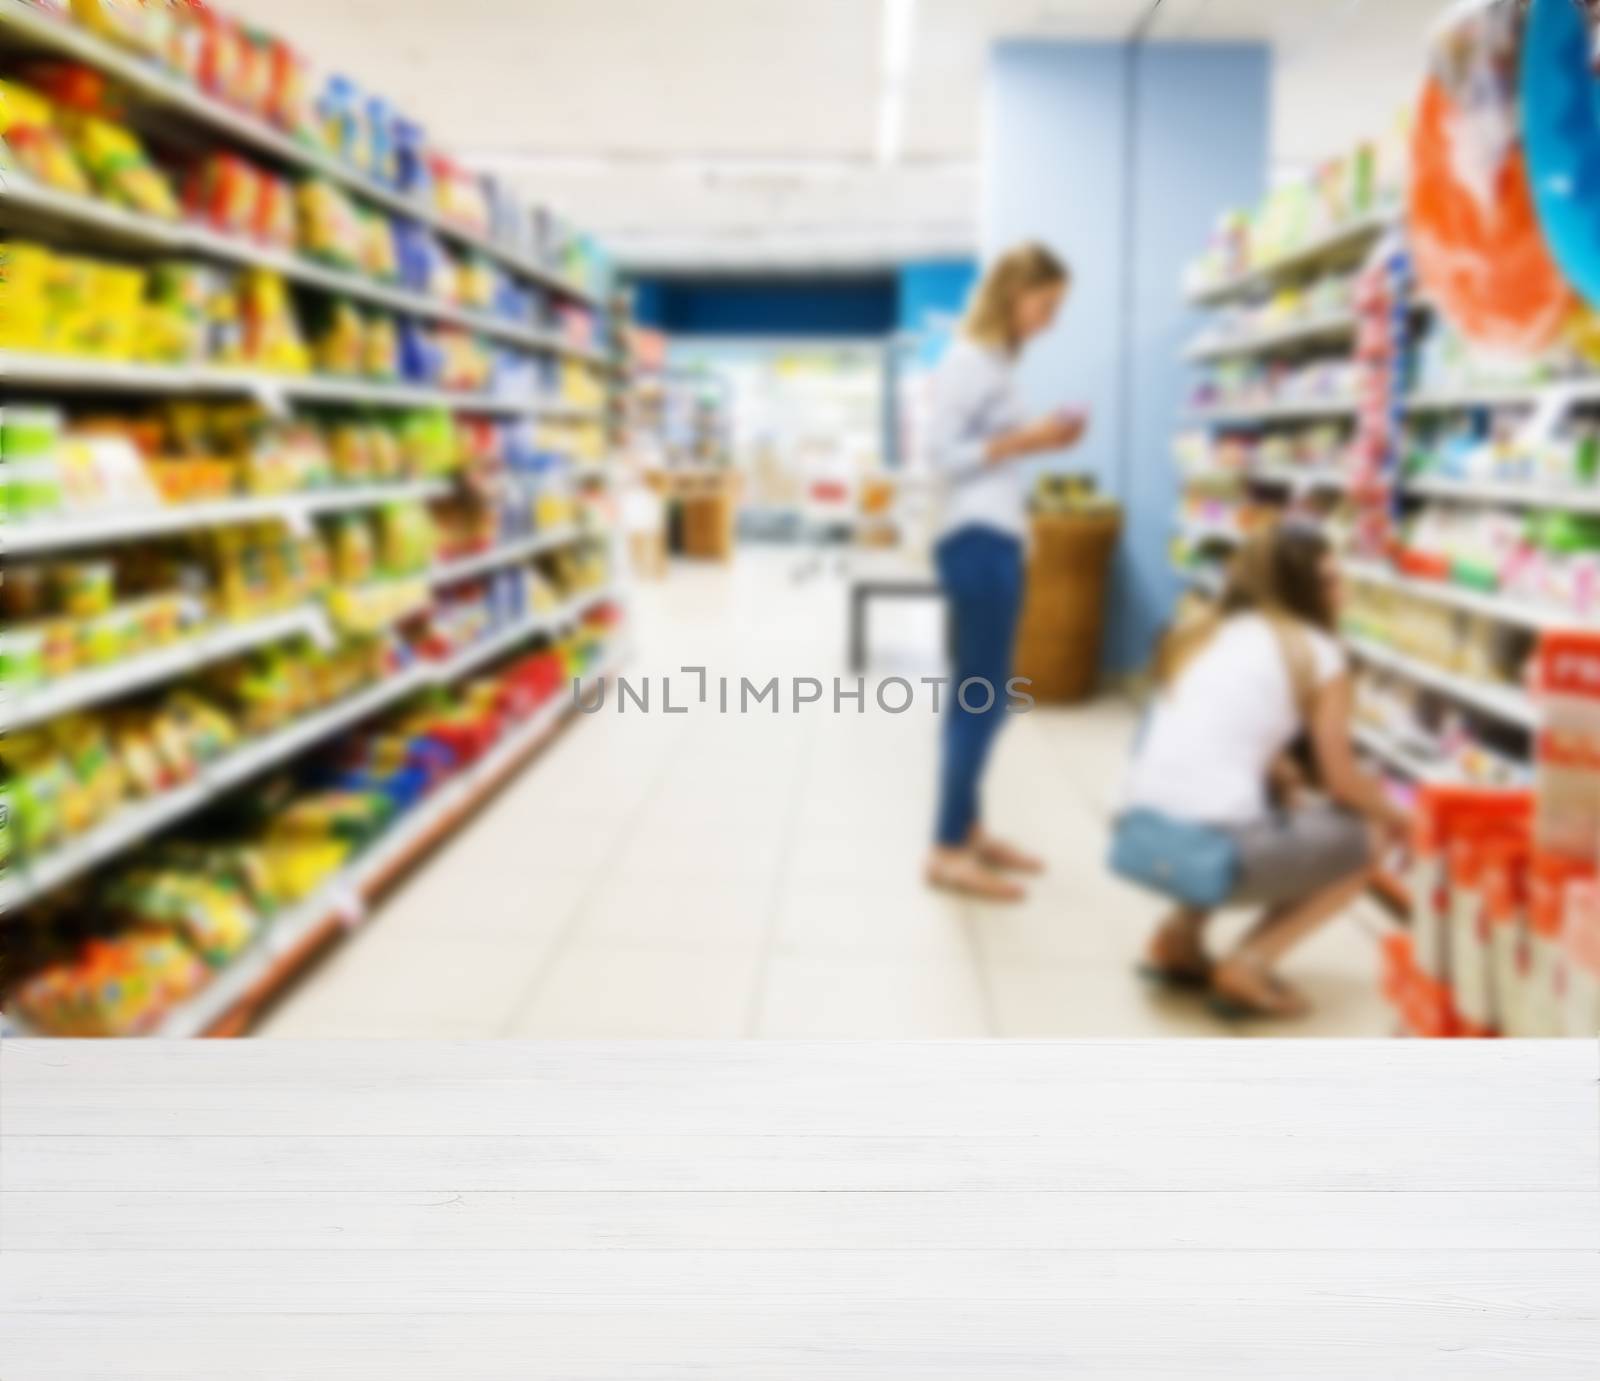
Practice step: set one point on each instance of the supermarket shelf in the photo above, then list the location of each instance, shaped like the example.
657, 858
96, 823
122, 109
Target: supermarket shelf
115, 376
1203, 534
1489, 396
1287, 410
1402, 759
87, 688
80, 214
506, 554
1205, 579
123, 830
1214, 477
1342, 241
294, 739
228, 1003
23, 23
1325, 477
1543, 496
1334, 327
1505, 703
26, 539
1516, 612
136, 823
469, 659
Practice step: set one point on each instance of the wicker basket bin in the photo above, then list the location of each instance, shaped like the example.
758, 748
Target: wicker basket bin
1063, 615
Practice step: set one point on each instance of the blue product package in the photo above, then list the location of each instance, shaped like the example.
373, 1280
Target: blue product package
380, 141
411, 159
420, 358
413, 255
336, 110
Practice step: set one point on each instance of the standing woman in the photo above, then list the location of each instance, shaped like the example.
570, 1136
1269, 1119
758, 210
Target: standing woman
977, 440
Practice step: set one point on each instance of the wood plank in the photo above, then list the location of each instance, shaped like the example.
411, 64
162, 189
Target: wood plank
1083, 1220
1510, 1285
989, 1341
1103, 1158
711, 1064
938, 1089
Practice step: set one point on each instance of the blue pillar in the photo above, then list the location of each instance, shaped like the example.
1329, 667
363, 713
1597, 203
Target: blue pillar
1121, 157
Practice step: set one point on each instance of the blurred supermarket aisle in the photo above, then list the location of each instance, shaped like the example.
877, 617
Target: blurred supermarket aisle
697, 875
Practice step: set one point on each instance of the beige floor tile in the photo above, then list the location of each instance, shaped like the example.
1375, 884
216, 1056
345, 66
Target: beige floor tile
1091, 1001
653, 910
805, 997
1058, 921
392, 985
617, 992
514, 842
449, 902
296, 1022
891, 919
691, 854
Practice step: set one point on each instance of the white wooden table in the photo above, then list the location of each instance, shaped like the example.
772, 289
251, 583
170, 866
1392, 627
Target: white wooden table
224, 1212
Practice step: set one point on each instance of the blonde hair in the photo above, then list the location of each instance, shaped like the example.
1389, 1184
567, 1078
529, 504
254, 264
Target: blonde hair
1277, 572
992, 317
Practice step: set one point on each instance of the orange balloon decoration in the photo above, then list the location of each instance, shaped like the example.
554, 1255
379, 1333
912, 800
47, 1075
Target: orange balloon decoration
1482, 260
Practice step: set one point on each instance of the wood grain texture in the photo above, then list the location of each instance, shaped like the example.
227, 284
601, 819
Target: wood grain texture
743, 1212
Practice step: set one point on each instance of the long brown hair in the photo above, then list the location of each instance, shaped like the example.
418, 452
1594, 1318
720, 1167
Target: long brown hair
1276, 572
992, 317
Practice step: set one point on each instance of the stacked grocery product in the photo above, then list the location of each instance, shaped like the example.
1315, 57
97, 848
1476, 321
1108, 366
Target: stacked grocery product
1306, 216
1505, 884
65, 129
1257, 383
1292, 310
1275, 399
59, 466
299, 563
183, 312
122, 953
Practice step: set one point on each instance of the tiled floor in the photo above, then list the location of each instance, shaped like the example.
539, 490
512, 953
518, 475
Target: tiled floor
702, 875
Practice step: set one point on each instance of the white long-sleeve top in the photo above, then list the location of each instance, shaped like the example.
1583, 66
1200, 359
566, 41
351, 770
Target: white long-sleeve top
974, 399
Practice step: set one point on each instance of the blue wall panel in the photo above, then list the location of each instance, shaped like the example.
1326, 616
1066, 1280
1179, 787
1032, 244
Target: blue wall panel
1201, 145
1054, 170
1121, 158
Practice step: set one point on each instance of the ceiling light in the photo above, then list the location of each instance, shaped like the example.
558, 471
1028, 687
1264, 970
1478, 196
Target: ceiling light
891, 122
899, 21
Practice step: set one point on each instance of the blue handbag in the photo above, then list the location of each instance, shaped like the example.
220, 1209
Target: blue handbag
1193, 864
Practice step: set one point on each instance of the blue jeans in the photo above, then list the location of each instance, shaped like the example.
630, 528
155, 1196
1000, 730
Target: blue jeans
981, 571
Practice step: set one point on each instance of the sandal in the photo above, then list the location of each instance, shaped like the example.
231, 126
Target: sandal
1179, 977
966, 876
1181, 965
1260, 994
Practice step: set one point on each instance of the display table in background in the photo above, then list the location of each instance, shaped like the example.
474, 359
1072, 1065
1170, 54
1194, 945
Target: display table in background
707, 501
510, 1212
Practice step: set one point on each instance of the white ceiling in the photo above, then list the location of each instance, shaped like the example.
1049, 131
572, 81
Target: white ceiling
741, 132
